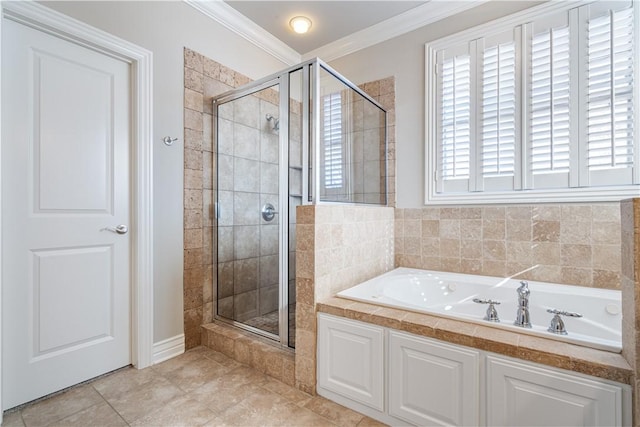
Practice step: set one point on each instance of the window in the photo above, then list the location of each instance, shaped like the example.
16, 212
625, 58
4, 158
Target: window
536, 106
332, 140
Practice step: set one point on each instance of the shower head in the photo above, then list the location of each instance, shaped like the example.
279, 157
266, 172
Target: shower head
276, 122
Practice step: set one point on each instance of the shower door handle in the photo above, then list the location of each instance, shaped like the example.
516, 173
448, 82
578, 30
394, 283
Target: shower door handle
268, 212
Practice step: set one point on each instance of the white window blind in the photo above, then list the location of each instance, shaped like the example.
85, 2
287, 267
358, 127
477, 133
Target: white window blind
332, 140
549, 101
498, 110
610, 90
455, 119
538, 107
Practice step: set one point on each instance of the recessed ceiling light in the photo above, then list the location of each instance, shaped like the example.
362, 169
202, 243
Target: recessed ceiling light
300, 24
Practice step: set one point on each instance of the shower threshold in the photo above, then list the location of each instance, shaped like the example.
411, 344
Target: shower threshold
268, 323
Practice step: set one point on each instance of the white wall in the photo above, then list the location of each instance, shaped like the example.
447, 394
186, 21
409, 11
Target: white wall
165, 28
403, 57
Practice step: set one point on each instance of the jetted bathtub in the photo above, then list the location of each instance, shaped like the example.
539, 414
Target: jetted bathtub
451, 295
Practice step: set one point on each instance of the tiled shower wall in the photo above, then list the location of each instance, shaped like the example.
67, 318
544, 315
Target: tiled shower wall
203, 79
363, 142
247, 179
577, 244
384, 92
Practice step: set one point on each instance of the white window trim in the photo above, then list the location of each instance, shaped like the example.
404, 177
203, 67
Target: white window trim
432, 197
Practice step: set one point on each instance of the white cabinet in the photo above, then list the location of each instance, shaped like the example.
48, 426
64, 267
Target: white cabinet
523, 394
399, 378
351, 359
431, 382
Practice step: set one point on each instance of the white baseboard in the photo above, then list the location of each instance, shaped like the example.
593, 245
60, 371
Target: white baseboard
166, 349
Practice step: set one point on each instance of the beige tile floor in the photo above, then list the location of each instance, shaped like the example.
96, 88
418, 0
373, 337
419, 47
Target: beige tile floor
199, 388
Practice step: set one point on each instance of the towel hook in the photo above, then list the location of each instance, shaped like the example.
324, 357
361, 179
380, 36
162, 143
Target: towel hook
169, 141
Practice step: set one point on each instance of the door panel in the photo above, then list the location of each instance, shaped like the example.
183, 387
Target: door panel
65, 185
350, 359
71, 119
56, 277
247, 216
431, 382
520, 394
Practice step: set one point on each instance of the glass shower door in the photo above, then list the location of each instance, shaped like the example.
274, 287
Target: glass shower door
248, 243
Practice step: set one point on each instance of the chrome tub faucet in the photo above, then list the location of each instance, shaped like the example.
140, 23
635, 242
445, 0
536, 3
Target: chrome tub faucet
522, 316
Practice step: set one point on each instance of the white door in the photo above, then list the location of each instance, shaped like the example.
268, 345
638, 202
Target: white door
65, 182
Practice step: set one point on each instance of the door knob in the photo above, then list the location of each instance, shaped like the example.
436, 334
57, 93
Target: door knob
120, 229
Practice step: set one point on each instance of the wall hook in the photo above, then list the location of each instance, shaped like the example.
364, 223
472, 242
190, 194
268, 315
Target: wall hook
169, 141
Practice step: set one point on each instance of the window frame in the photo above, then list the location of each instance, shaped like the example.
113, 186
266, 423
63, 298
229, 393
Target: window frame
565, 194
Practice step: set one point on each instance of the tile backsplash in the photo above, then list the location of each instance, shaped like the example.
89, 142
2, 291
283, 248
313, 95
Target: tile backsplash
576, 244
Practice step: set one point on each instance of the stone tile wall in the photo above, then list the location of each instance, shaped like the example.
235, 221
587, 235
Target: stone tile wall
338, 247
577, 244
203, 79
630, 281
384, 92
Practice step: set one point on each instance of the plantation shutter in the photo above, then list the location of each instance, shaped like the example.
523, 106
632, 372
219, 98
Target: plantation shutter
455, 118
609, 94
547, 106
498, 98
549, 102
332, 141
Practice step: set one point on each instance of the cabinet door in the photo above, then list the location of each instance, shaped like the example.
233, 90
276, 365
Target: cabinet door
350, 359
432, 383
520, 394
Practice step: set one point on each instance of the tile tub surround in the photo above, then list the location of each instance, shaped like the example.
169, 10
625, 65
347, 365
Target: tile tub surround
576, 244
589, 361
338, 247
630, 283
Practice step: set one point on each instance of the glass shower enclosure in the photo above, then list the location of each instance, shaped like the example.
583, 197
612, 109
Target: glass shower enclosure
305, 135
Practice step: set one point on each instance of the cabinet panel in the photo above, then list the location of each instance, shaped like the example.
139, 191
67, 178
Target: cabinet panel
520, 394
432, 383
350, 359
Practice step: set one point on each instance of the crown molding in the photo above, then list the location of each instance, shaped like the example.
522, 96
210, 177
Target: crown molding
398, 25
410, 20
233, 20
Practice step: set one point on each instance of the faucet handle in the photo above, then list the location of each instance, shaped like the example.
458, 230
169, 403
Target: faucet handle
563, 313
492, 313
557, 324
485, 301
523, 289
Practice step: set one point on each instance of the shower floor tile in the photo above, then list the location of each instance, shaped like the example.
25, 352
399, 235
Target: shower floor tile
199, 388
269, 323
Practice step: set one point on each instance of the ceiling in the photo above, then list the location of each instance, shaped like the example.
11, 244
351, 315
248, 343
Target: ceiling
339, 27
332, 20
